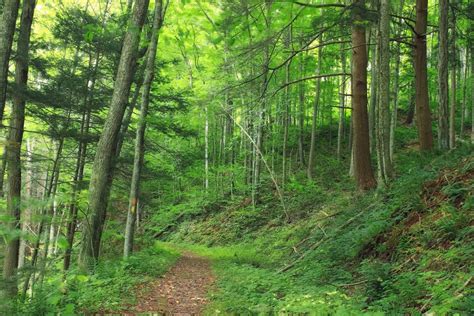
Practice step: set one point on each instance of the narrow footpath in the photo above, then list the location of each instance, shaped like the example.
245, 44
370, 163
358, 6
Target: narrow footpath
183, 289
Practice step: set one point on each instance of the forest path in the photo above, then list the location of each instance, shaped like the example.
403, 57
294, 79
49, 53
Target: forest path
182, 290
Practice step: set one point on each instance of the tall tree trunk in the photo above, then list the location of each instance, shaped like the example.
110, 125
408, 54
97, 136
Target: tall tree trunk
443, 129
396, 102
77, 181
15, 139
140, 136
452, 110
471, 46
206, 148
26, 220
374, 65
464, 109
286, 115
314, 121
259, 128
342, 104
7, 29
301, 113
423, 113
362, 165
383, 131
102, 171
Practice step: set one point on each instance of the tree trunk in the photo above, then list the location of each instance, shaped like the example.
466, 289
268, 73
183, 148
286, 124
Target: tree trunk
7, 29
301, 113
77, 180
140, 134
286, 115
423, 113
374, 64
259, 124
383, 131
396, 101
464, 109
342, 103
15, 138
314, 121
452, 110
362, 165
102, 170
29, 191
206, 148
443, 130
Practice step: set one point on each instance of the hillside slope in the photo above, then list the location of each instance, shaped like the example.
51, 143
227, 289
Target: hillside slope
403, 249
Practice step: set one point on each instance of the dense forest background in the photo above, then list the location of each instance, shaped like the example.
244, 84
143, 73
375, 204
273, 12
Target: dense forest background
319, 153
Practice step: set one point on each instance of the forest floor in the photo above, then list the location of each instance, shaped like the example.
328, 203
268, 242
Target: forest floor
182, 290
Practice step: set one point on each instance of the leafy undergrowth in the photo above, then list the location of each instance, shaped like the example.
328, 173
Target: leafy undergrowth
111, 288
404, 249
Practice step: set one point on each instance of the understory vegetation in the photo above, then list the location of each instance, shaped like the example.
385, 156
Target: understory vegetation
404, 249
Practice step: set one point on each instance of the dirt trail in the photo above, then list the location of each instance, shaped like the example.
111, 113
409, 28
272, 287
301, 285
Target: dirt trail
182, 291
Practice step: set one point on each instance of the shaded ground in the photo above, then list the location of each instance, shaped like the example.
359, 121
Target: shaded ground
182, 290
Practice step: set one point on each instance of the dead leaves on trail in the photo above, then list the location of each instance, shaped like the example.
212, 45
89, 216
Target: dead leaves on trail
182, 291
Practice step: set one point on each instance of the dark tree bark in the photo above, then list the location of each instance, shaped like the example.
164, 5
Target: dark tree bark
15, 139
363, 171
102, 171
423, 113
7, 29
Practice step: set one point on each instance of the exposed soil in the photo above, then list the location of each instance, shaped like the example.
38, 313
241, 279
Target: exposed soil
182, 291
